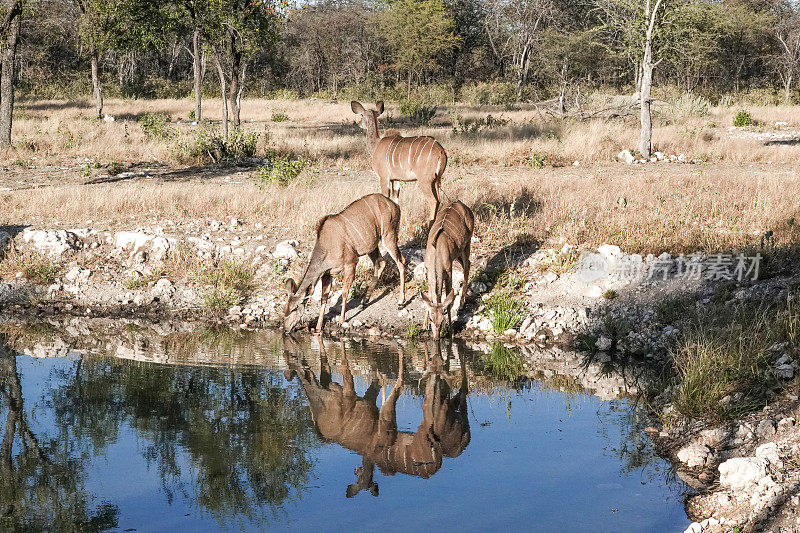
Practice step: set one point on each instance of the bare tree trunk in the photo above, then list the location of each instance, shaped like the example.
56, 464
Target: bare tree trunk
14, 20
646, 135
788, 88
97, 90
198, 76
224, 94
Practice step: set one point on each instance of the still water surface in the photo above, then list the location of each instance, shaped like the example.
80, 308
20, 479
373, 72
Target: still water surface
170, 436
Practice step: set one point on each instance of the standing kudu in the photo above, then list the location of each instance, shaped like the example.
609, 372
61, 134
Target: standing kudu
449, 240
356, 423
396, 158
342, 238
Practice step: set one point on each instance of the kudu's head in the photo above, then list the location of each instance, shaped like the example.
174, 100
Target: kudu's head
295, 305
368, 120
438, 311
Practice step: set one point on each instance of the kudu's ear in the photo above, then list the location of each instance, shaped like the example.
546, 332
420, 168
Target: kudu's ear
379, 106
291, 286
357, 107
426, 300
447, 301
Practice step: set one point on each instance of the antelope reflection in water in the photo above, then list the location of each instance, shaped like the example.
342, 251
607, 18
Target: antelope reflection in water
356, 423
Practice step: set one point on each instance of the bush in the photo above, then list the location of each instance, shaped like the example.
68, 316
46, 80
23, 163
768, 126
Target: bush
279, 116
156, 126
34, 265
504, 311
280, 169
743, 118
208, 144
499, 93
417, 111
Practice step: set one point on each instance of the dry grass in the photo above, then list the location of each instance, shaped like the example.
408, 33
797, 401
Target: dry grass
56, 132
730, 202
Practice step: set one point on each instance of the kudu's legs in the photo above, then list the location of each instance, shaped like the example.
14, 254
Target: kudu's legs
348, 275
465, 264
431, 193
379, 263
323, 301
390, 243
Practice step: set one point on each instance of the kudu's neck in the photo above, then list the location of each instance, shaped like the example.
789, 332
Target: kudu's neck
373, 135
315, 269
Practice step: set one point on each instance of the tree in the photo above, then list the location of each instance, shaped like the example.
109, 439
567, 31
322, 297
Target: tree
12, 21
640, 28
787, 31
515, 29
418, 31
110, 25
237, 30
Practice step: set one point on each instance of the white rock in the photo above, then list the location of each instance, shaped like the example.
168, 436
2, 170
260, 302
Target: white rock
593, 291
681, 158
108, 118
765, 428
164, 287
626, 157
694, 455
769, 451
419, 272
286, 250
550, 277
54, 242
135, 240
742, 473
609, 251
603, 343
659, 156
694, 527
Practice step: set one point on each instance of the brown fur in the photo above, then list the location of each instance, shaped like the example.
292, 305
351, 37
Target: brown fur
342, 238
449, 240
396, 158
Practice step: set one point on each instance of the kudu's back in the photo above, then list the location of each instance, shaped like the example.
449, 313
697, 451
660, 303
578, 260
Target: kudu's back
361, 225
409, 158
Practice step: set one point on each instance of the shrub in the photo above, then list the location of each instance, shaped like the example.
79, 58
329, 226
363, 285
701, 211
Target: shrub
221, 298
742, 118
280, 169
417, 111
504, 311
207, 144
485, 93
156, 126
279, 116
34, 265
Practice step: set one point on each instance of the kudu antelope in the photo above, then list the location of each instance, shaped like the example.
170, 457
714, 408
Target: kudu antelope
342, 238
357, 424
449, 240
396, 158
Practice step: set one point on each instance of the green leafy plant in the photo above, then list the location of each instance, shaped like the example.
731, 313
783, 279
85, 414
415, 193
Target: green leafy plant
417, 111
156, 126
280, 169
504, 311
279, 116
743, 118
